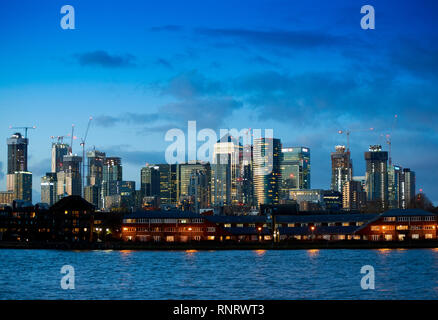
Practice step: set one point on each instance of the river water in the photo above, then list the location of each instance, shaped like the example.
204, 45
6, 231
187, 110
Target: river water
259, 274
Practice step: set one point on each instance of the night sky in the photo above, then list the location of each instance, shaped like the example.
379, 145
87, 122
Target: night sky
304, 68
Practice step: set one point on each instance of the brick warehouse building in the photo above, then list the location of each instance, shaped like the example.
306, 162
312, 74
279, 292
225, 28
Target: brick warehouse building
400, 225
176, 226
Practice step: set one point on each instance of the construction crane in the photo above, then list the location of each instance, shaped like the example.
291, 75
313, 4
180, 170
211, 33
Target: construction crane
70, 149
83, 140
25, 129
60, 138
389, 137
348, 132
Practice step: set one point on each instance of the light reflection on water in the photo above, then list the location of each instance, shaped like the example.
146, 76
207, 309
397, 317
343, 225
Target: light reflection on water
191, 274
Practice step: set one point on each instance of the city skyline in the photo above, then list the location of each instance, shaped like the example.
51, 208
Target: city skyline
148, 74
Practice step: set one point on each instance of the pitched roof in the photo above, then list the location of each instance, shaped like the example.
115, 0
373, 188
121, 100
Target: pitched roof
72, 203
355, 217
407, 212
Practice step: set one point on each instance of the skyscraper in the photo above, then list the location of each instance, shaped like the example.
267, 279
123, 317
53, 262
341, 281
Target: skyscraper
150, 181
96, 161
226, 171
407, 187
394, 178
342, 168
48, 188
112, 174
199, 189
17, 158
59, 150
353, 195
70, 178
295, 170
267, 170
23, 186
377, 176
184, 177
168, 184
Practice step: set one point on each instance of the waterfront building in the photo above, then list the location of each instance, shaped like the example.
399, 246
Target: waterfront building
267, 170
332, 200
295, 170
342, 168
377, 176
401, 225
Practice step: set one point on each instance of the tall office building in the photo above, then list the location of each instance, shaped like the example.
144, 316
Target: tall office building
59, 150
226, 172
295, 170
168, 184
407, 187
394, 176
184, 177
353, 195
112, 174
267, 170
377, 176
96, 160
150, 181
199, 189
48, 188
342, 168
247, 176
70, 178
92, 195
23, 186
17, 158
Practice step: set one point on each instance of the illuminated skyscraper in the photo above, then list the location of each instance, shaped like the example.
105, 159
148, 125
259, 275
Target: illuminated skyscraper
168, 184
394, 176
267, 170
96, 160
295, 170
112, 174
184, 177
226, 172
353, 195
69, 179
150, 181
407, 188
377, 176
342, 168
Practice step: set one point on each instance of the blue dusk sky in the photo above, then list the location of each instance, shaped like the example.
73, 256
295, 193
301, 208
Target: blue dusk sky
304, 68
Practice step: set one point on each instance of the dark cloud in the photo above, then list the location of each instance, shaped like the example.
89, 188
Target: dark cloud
128, 118
167, 28
104, 59
164, 63
278, 38
135, 157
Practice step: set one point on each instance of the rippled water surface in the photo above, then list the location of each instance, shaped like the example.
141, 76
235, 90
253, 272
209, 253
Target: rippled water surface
294, 274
